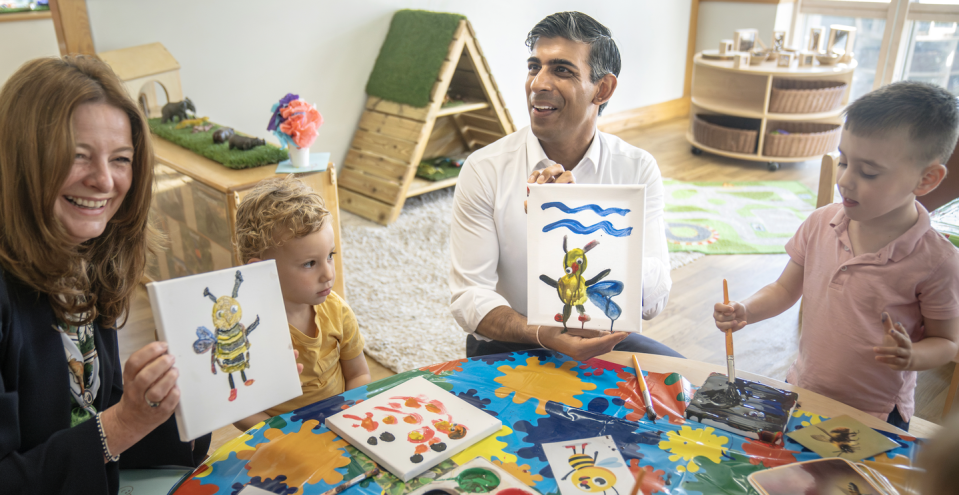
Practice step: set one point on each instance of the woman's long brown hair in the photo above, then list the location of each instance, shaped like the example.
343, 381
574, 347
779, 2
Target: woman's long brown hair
95, 280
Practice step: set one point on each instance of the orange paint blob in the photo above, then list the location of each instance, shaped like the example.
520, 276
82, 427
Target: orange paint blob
420, 449
411, 420
390, 420
442, 426
433, 409
412, 402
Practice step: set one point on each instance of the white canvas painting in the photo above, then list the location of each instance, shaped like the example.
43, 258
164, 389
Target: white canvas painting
228, 332
585, 256
412, 427
591, 465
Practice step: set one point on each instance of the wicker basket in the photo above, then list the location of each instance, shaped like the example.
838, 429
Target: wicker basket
805, 96
725, 132
804, 139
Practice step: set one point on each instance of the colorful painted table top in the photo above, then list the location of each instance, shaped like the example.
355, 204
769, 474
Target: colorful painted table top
541, 397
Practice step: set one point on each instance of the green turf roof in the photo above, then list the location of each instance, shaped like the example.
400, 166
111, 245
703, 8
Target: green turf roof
412, 54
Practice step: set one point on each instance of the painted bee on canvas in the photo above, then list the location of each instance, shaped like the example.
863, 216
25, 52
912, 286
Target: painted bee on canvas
230, 347
841, 437
587, 475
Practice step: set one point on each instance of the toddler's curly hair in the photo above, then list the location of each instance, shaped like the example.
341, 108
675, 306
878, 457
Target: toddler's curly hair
275, 211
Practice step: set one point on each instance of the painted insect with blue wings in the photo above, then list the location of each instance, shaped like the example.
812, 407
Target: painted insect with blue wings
592, 476
231, 345
574, 289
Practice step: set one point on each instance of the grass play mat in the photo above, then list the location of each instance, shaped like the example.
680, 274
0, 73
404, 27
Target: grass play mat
202, 144
412, 54
734, 217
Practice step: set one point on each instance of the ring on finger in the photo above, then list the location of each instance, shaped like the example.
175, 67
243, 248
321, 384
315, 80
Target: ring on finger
150, 402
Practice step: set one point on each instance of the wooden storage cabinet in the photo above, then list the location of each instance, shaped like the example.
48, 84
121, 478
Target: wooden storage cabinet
717, 88
194, 205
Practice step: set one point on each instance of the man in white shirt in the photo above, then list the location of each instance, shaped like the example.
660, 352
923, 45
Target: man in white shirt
572, 74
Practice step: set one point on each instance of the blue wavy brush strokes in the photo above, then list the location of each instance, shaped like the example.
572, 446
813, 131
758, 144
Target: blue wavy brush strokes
578, 228
594, 208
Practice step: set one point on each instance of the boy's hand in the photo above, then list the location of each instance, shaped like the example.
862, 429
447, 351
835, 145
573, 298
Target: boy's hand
729, 316
896, 350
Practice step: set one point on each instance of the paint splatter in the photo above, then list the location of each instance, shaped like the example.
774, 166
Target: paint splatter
457, 431
367, 423
768, 455
412, 419
412, 402
325, 449
387, 436
663, 395
420, 435
420, 449
416, 459
487, 448
596, 367
438, 447
371, 441
542, 381
477, 480
521, 472
389, 420
721, 478
689, 443
436, 369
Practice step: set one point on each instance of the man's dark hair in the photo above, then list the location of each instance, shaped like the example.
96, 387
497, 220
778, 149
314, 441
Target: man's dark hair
577, 26
927, 112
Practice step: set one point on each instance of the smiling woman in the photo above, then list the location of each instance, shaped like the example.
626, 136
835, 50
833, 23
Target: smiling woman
76, 175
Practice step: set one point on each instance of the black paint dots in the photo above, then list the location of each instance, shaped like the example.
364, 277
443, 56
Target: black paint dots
416, 459
371, 440
387, 436
439, 447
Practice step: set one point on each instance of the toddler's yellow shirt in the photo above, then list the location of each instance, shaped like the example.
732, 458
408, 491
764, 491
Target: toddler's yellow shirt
337, 339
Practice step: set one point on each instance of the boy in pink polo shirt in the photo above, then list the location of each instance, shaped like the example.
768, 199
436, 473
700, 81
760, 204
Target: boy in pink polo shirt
879, 285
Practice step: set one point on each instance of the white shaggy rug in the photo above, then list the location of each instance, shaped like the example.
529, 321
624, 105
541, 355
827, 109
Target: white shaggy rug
396, 283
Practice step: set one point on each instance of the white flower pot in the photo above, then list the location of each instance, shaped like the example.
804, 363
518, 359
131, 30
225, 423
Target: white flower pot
300, 157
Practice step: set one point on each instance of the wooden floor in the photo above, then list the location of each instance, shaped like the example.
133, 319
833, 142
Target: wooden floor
767, 348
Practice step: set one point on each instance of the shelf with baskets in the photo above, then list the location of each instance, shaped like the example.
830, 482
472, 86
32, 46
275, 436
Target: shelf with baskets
767, 113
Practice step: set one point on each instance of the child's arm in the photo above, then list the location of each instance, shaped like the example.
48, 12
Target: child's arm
937, 348
356, 372
769, 301
247, 423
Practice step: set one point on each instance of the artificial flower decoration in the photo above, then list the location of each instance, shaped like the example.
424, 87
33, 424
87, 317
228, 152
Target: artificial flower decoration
295, 122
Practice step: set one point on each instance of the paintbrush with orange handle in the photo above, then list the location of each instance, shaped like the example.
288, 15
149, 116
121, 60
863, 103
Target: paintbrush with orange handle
730, 358
650, 412
639, 480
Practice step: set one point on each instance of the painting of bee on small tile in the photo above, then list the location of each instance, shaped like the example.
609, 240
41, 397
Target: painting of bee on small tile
585, 256
590, 466
228, 331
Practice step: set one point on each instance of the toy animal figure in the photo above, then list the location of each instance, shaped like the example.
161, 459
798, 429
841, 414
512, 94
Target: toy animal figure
177, 109
184, 123
231, 345
202, 128
574, 289
222, 135
244, 143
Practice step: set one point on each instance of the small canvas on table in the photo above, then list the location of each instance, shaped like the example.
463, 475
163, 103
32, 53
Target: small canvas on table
412, 427
228, 332
585, 256
591, 465
844, 437
750, 409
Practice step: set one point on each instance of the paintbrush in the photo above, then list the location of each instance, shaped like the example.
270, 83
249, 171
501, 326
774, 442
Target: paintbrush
650, 412
342, 487
730, 358
639, 480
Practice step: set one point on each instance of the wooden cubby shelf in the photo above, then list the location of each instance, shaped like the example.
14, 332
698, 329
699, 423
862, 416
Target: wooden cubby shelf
718, 88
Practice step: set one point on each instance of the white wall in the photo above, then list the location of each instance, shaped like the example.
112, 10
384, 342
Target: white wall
238, 57
25, 40
718, 20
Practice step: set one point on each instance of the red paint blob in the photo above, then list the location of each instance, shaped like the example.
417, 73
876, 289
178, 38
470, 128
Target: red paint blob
513, 491
420, 449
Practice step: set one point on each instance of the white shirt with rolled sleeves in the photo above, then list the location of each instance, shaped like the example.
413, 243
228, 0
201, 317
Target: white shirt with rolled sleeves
488, 234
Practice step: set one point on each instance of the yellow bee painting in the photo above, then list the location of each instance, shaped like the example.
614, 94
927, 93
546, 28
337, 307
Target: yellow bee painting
230, 347
587, 475
574, 289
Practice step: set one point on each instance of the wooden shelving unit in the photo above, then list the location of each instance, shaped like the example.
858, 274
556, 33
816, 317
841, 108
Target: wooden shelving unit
391, 140
718, 88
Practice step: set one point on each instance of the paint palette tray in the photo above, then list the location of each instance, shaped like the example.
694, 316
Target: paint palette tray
477, 476
413, 426
750, 409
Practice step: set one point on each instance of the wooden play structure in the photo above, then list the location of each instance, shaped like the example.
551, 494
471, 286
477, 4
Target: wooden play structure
139, 67
393, 138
